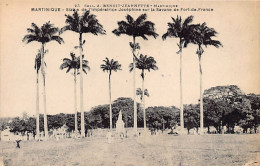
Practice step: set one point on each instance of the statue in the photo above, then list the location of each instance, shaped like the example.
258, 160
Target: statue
120, 125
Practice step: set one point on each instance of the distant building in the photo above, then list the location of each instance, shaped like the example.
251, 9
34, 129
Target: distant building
6, 135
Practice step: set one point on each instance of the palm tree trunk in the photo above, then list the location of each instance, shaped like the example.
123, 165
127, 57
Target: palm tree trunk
75, 101
181, 100
110, 104
143, 99
134, 90
44, 94
37, 106
81, 88
201, 98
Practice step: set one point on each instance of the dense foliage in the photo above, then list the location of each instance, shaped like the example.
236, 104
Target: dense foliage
223, 111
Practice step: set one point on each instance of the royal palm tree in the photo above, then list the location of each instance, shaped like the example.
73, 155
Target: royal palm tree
135, 28
202, 36
44, 34
144, 63
110, 66
180, 29
74, 63
87, 23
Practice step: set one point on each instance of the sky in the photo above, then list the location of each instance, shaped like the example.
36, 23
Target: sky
236, 63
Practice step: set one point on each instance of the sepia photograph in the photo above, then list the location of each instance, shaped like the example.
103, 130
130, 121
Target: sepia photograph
129, 83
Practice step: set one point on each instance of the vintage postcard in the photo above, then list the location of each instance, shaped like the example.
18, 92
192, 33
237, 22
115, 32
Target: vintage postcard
129, 82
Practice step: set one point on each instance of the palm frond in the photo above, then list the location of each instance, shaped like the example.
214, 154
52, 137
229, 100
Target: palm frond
141, 19
123, 28
84, 71
57, 39
69, 68
30, 38
85, 16
63, 66
138, 91
214, 43
30, 30
188, 20
146, 93
164, 36
85, 65
65, 28
129, 19
131, 67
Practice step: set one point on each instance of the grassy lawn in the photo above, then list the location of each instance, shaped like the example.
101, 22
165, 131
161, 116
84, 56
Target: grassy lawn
153, 150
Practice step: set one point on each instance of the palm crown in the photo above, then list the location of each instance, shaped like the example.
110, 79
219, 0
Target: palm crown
46, 33
87, 23
140, 93
110, 65
136, 28
180, 29
74, 63
202, 35
144, 63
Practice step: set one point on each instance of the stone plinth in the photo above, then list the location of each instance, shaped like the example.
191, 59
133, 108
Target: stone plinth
120, 125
